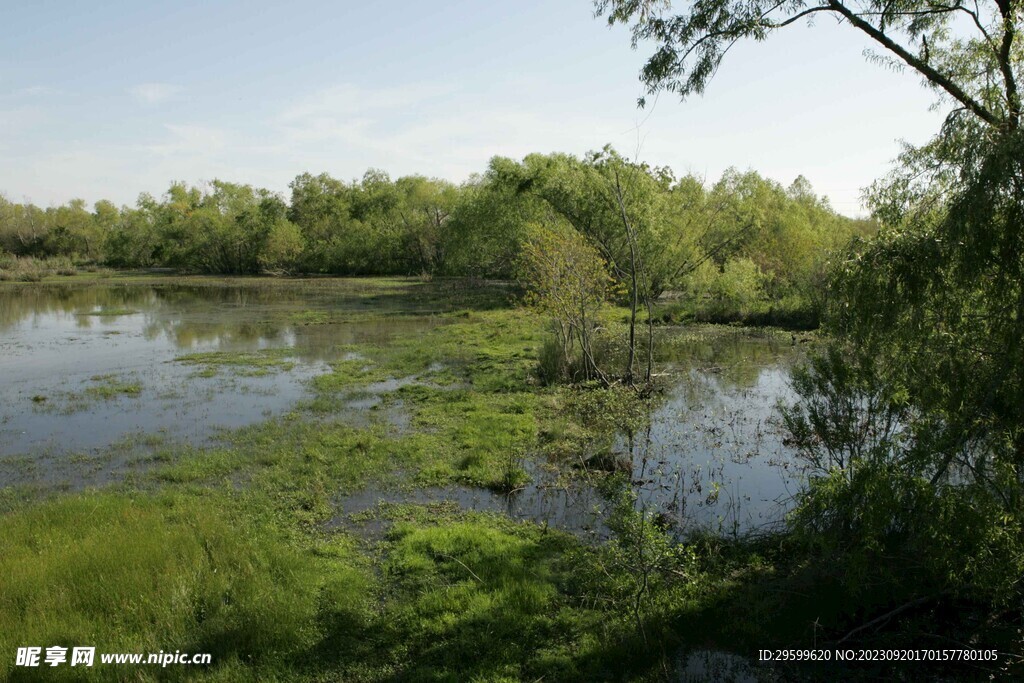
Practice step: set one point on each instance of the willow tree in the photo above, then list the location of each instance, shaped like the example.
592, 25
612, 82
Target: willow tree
969, 51
940, 292
928, 317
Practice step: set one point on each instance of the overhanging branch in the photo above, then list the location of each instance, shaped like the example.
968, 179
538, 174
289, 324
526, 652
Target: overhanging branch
920, 66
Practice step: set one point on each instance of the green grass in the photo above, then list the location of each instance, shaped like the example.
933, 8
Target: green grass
108, 387
242, 363
475, 435
143, 573
483, 600
454, 596
348, 375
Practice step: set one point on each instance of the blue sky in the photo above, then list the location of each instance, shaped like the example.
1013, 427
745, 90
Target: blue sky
110, 99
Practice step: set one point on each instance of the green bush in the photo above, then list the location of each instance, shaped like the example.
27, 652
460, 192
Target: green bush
552, 367
873, 504
738, 287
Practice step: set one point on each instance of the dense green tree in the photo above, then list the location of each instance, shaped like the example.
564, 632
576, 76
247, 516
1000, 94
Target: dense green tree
489, 223
619, 207
320, 207
131, 239
583, 192
23, 228
375, 225
789, 233
425, 211
225, 228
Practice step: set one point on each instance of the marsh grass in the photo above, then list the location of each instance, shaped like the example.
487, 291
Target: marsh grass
30, 269
457, 596
789, 313
242, 363
143, 573
110, 312
475, 596
348, 375
108, 387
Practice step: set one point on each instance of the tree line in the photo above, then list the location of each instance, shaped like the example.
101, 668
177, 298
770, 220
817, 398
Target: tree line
734, 242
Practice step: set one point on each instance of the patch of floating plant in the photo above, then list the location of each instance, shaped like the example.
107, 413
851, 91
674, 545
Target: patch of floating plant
103, 388
242, 363
51, 471
111, 386
109, 312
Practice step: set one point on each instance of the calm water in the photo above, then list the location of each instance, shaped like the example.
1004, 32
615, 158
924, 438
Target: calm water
61, 347
91, 375
713, 459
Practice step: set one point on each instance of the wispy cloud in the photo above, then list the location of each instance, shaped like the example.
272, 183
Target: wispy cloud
346, 100
190, 139
35, 91
154, 93
426, 128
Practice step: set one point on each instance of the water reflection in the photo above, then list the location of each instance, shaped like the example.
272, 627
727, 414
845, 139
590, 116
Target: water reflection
55, 341
714, 457
242, 316
711, 459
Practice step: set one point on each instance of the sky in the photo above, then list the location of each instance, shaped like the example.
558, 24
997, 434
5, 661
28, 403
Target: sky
112, 99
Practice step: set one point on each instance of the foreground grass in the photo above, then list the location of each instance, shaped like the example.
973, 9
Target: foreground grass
144, 573
455, 597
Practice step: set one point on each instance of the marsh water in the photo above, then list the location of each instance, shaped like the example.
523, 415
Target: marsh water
93, 376
87, 370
